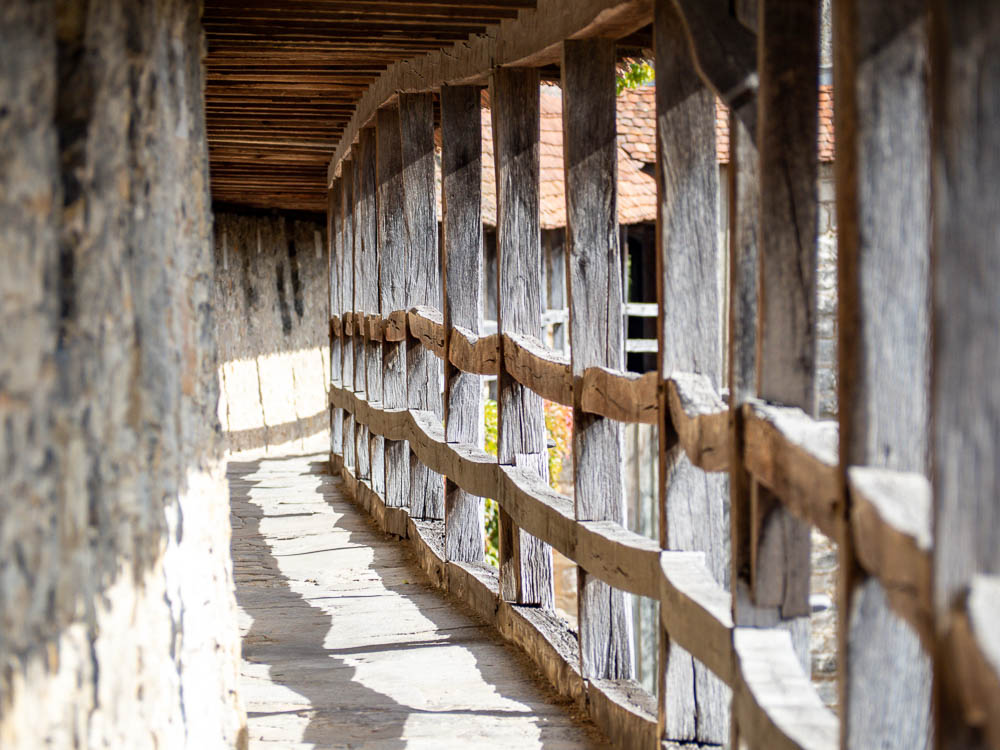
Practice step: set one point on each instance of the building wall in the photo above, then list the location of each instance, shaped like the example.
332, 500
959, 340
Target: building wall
117, 614
273, 331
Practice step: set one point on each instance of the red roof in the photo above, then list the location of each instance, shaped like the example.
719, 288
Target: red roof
636, 151
637, 125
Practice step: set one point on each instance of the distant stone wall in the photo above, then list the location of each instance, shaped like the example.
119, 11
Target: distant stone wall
826, 297
272, 317
117, 614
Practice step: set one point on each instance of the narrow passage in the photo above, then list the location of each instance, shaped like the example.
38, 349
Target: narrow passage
346, 644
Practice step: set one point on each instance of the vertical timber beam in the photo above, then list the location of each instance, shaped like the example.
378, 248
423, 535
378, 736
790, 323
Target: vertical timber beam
333, 222
525, 562
362, 456
347, 297
694, 704
423, 273
788, 65
392, 288
461, 176
367, 234
595, 322
883, 227
965, 400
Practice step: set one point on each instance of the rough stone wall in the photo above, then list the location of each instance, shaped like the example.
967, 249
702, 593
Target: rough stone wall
117, 615
271, 297
826, 297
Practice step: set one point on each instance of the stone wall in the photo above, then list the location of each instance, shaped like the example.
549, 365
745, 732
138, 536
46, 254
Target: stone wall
117, 615
271, 299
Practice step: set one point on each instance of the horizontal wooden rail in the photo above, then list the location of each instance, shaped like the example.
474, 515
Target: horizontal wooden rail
695, 609
973, 641
795, 456
891, 529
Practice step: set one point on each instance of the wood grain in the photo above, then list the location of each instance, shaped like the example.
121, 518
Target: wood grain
392, 294
461, 176
525, 563
423, 274
347, 299
692, 503
965, 271
593, 262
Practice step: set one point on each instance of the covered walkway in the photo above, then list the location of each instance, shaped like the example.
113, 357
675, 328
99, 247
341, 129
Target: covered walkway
346, 644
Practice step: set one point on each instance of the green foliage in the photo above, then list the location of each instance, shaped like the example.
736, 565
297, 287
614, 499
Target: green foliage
559, 426
635, 73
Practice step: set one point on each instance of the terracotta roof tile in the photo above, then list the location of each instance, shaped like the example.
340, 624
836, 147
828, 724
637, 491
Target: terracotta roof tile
636, 150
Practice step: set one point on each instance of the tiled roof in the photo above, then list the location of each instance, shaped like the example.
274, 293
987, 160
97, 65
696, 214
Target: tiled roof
637, 125
636, 151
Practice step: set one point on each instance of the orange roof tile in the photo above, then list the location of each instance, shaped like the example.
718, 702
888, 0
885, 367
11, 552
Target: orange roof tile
636, 149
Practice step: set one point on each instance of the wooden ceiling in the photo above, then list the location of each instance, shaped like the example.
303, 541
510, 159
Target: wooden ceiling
282, 79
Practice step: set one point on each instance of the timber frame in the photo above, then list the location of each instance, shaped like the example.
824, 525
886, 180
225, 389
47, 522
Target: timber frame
918, 537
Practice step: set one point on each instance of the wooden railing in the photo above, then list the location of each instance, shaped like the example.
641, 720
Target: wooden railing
914, 606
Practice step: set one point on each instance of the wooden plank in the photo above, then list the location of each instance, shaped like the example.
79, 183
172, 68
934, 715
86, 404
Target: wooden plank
461, 174
795, 458
625, 396
426, 325
965, 267
392, 293
692, 515
883, 226
525, 563
333, 225
788, 65
472, 353
367, 232
555, 280
775, 704
362, 302
590, 148
972, 647
535, 366
423, 287
891, 539
347, 298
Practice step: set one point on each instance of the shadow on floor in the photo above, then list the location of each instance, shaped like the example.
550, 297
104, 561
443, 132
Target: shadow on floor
342, 712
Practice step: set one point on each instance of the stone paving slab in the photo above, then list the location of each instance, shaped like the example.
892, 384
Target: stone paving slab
346, 644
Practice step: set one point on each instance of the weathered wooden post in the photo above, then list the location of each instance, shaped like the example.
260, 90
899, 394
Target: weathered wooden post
596, 336
788, 67
333, 223
965, 401
461, 175
525, 562
347, 298
423, 370
361, 301
692, 503
392, 291
366, 232
883, 245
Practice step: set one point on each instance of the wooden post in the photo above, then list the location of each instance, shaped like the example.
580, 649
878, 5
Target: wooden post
461, 175
361, 301
347, 296
788, 66
883, 228
365, 227
965, 402
525, 562
692, 503
333, 222
392, 290
423, 273
596, 338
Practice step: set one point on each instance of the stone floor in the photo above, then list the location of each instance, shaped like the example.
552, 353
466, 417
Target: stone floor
345, 644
